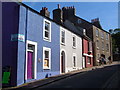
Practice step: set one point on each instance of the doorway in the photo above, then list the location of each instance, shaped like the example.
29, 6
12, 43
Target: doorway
62, 62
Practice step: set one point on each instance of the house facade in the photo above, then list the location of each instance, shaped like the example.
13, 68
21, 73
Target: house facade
31, 44
104, 38
70, 51
36, 46
87, 53
102, 44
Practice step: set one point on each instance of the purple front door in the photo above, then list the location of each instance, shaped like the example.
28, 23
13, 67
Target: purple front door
29, 65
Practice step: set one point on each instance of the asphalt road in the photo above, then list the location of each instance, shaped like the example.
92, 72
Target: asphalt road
91, 79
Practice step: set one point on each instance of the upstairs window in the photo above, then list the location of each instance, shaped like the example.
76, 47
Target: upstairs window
97, 44
79, 21
106, 36
107, 47
90, 46
74, 41
102, 45
97, 32
63, 37
102, 35
47, 30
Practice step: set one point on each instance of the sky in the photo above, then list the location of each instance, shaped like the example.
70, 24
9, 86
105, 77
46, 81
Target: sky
107, 12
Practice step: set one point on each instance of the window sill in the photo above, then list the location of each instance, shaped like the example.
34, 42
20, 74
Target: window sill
88, 63
97, 48
63, 44
46, 39
73, 47
74, 67
46, 68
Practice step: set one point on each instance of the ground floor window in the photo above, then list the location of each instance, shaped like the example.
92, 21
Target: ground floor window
89, 60
74, 61
46, 58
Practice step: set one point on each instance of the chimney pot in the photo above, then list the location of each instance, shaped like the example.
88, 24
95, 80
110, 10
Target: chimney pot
58, 6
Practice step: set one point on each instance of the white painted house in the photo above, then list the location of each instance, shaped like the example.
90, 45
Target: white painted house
70, 50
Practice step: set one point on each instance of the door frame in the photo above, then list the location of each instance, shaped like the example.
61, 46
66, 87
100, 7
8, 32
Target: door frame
64, 61
35, 58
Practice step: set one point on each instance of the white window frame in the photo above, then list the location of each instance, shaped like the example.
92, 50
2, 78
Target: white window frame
47, 49
45, 38
74, 55
74, 41
63, 43
35, 58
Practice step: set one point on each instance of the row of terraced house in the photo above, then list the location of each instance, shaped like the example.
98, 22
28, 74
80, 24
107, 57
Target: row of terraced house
36, 47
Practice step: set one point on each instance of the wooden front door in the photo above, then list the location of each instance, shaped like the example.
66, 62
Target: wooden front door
62, 62
29, 64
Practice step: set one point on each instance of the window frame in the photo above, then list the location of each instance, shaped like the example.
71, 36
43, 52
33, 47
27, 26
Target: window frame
74, 42
63, 43
97, 44
74, 63
103, 46
97, 32
89, 59
107, 36
46, 49
102, 34
44, 30
107, 47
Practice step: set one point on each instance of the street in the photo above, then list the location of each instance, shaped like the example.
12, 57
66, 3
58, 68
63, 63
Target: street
91, 79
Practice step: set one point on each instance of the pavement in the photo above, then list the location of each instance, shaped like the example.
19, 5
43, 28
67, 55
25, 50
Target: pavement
42, 82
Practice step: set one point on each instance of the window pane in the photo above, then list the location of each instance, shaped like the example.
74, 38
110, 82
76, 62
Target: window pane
46, 34
46, 54
89, 60
102, 45
46, 62
74, 61
63, 37
97, 33
74, 42
46, 25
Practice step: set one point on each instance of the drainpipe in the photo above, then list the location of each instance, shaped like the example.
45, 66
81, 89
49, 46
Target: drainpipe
25, 43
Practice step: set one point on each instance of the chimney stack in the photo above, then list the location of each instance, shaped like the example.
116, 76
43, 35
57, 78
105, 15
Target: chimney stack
45, 12
58, 6
68, 12
96, 22
58, 15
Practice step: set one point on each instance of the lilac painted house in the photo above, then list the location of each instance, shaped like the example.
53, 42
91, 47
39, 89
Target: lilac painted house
31, 44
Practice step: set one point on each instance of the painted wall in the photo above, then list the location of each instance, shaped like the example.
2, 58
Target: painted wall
86, 55
21, 46
32, 27
10, 20
70, 51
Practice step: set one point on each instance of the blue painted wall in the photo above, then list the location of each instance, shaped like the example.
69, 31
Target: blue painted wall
32, 28
10, 20
21, 46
